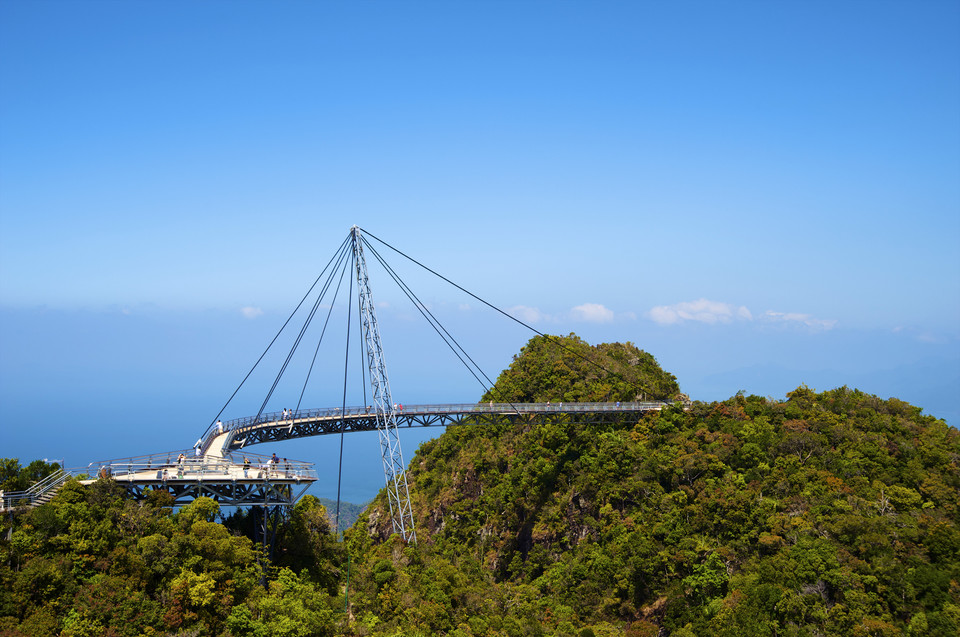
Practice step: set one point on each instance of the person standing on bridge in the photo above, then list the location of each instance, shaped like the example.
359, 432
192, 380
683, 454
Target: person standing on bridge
219, 426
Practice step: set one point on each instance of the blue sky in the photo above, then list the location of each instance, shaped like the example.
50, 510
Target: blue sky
759, 194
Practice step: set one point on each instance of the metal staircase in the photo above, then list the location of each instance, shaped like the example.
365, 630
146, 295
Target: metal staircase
39, 493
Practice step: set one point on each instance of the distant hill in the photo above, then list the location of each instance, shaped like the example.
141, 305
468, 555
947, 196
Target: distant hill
349, 512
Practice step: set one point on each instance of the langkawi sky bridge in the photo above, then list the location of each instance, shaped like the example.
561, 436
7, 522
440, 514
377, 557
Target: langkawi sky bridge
220, 466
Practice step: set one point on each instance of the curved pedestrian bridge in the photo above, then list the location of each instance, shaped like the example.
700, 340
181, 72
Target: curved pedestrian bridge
278, 426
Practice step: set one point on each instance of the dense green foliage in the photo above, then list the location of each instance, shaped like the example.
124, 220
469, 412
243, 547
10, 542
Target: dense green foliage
92, 563
832, 513
13, 477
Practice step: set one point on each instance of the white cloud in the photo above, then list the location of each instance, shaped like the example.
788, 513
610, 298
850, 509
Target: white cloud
464, 307
804, 319
701, 310
591, 313
251, 312
711, 312
526, 314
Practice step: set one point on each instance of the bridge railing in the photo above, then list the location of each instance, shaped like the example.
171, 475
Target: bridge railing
279, 417
549, 407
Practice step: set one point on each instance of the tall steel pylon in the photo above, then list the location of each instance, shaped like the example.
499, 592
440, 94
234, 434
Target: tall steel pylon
393, 467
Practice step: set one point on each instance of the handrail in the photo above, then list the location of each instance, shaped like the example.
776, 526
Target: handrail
57, 476
163, 458
208, 468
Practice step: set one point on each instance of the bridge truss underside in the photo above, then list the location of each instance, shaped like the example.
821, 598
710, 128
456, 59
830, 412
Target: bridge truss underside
226, 493
247, 434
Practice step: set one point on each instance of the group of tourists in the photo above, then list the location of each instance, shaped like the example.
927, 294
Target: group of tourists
268, 468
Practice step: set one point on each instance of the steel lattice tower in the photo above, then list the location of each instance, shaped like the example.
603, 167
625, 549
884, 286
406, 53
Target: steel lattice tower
393, 467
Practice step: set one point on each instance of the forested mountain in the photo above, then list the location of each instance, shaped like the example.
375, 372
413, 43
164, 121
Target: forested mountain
831, 513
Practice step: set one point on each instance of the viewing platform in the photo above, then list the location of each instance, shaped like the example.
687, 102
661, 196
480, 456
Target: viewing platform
231, 479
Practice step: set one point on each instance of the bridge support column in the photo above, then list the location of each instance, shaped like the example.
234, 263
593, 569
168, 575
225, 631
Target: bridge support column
398, 493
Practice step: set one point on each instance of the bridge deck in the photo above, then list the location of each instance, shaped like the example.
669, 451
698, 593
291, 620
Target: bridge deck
275, 427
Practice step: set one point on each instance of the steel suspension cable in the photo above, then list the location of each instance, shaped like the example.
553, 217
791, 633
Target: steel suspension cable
434, 322
324, 331
280, 331
296, 342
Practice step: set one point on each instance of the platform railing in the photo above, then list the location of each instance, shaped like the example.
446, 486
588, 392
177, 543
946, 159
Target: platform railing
183, 466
